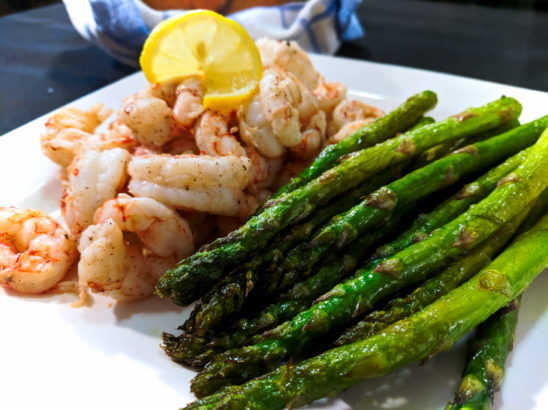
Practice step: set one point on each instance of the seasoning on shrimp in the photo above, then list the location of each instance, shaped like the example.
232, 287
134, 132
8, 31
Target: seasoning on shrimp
93, 177
35, 251
193, 182
202, 170
126, 267
72, 130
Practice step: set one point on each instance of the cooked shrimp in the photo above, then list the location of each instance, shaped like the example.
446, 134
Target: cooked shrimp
213, 137
71, 130
119, 265
279, 95
329, 95
166, 91
74, 118
349, 111
149, 118
160, 228
313, 136
349, 129
93, 177
274, 117
262, 170
188, 104
193, 182
290, 57
257, 131
35, 251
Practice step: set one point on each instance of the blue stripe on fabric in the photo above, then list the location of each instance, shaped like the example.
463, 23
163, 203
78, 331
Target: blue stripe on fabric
121, 30
328, 12
120, 22
347, 24
310, 33
283, 16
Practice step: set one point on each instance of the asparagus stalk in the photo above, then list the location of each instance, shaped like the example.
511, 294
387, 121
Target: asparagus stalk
196, 350
383, 128
487, 352
229, 296
448, 279
426, 333
298, 299
193, 276
493, 341
439, 174
445, 148
539, 209
421, 122
411, 265
449, 209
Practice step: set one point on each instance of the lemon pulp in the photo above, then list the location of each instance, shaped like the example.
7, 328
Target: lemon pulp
204, 43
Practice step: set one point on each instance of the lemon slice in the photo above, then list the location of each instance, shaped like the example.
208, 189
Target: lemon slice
202, 42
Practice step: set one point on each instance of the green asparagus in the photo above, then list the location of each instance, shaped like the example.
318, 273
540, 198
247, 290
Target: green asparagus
229, 297
456, 273
230, 294
346, 227
445, 148
383, 128
358, 295
186, 348
193, 276
196, 350
426, 333
487, 352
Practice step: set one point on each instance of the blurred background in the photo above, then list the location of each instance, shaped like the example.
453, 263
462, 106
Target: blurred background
11, 6
46, 63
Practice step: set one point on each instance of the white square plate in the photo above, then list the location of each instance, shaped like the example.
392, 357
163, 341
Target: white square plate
108, 357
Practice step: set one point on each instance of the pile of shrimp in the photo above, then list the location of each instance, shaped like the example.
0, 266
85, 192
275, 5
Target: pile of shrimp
168, 175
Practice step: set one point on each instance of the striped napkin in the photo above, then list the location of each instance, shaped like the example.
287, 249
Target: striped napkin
120, 27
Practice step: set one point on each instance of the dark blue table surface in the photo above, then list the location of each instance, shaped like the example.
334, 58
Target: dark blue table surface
45, 63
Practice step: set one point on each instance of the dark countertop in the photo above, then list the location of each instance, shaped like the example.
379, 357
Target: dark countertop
47, 64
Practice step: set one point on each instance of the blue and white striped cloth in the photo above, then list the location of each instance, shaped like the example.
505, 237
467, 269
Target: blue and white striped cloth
121, 26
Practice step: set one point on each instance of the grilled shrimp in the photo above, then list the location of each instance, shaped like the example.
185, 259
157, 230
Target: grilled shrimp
93, 177
313, 136
213, 137
71, 130
127, 267
193, 182
166, 91
288, 56
278, 94
262, 170
149, 118
257, 131
189, 101
349, 111
349, 129
35, 251
329, 95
